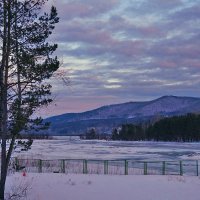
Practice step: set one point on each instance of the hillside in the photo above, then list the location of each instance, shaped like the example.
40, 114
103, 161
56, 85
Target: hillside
107, 117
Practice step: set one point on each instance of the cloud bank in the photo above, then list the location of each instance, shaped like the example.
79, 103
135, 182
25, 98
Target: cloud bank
126, 50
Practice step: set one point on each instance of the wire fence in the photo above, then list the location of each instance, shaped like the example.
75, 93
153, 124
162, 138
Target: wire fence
113, 167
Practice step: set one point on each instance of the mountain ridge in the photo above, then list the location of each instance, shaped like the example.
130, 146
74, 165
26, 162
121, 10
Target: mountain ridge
107, 117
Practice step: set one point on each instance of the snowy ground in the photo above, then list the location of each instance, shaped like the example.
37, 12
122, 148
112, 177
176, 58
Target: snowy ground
85, 149
51, 186
105, 187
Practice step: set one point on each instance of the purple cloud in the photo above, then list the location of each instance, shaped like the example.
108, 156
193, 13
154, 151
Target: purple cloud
127, 50
83, 9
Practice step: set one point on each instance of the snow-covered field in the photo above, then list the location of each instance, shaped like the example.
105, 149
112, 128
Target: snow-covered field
104, 187
51, 186
94, 149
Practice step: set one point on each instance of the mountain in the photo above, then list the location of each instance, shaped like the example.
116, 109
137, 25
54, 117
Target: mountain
106, 118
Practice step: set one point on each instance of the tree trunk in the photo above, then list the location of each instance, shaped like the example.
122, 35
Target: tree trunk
5, 64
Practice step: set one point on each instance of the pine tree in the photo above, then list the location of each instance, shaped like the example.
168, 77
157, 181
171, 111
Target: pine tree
115, 134
26, 61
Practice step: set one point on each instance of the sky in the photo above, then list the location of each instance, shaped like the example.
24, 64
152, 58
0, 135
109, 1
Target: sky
115, 51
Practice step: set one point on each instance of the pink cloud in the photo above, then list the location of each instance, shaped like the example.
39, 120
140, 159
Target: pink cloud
150, 31
118, 23
195, 63
78, 32
185, 50
75, 9
128, 48
86, 8
166, 64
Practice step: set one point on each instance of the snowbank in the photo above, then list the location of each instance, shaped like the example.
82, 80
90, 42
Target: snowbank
105, 187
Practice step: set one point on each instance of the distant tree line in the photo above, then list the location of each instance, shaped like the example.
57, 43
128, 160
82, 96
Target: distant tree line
42, 136
92, 134
129, 132
180, 128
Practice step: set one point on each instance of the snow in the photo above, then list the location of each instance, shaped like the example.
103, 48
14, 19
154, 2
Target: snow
105, 187
51, 186
108, 150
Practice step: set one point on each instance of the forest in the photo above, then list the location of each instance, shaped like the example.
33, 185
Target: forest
179, 128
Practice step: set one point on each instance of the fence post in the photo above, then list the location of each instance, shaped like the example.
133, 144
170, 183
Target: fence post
83, 167
16, 164
63, 166
197, 167
181, 168
105, 166
40, 166
85, 171
125, 167
145, 168
163, 168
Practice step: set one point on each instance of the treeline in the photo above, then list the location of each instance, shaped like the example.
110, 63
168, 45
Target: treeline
181, 128
92, 134
42, 136
129, 132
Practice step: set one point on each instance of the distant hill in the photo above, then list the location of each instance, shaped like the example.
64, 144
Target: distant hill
107, 117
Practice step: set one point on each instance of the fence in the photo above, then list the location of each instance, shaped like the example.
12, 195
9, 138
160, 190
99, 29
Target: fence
118, 167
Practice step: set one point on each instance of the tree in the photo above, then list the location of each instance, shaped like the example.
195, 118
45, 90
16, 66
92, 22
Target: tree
115, 134
184, 128
26, 61
129, 132
91, 134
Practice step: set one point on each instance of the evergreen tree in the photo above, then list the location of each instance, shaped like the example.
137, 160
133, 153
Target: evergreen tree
115, 134
26, 61
129, 132
179, 128
91, 134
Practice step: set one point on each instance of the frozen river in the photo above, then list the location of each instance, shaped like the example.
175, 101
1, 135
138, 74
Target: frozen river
93, 149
